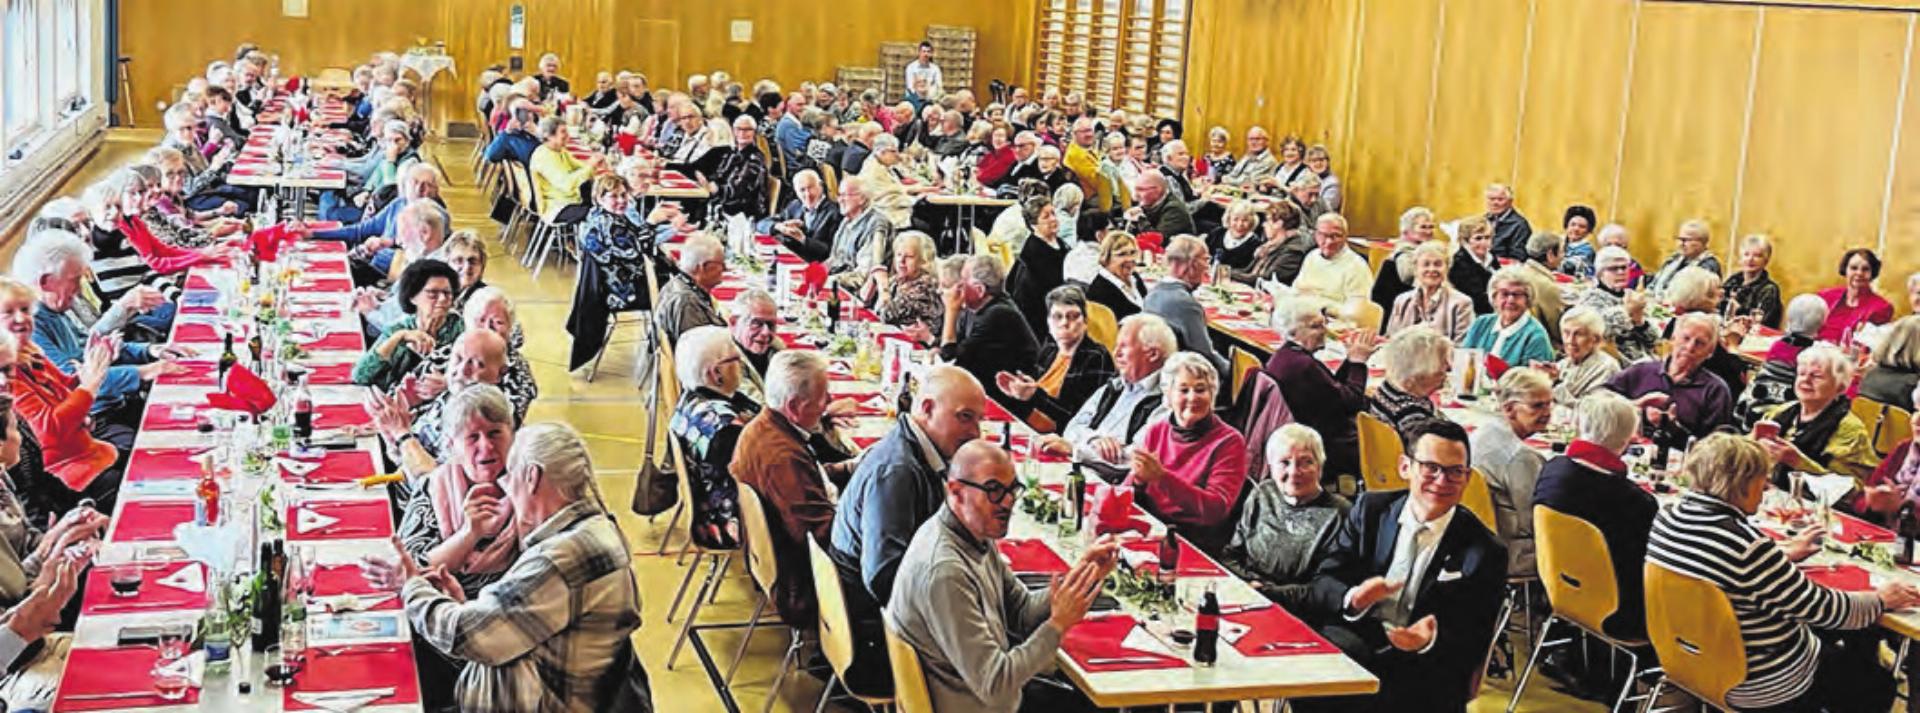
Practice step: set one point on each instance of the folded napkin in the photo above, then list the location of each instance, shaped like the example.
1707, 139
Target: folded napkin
813, 279
1031, 556
1193, 562
996, 413
123, 669
1496, 366
1113, 510
163, 587
1250, 631
1107, 638
380, 674
1848, 529
342, 520
1844, 577
245, 392
149, 521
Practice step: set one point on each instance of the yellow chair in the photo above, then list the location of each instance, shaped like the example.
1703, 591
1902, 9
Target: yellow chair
1368, 316
1870, 413
1477, 498
1693, 629
830, 180
909, 681
1380, 452
836, 631
1895, 425
717, 559
1244, 363
1102, 327
1576, 569
764, 567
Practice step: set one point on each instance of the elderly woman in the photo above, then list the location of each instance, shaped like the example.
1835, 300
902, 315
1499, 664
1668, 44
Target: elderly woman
1590, 482
558, 177
618, 247
1417, 361
1015, 224
126, 252
1817, 431
1323, 399
1677, 396
1073, 367
1432, 301
1511, 332
1334, 271
167, 213
1691, 242
1795, 658
570, 597
1854, 304
1052, 172
1751, 292
881, 176
707, 421
1474, 264
419, 183
56, 262
1234, 242
1623, 308
1577, 225
32, 528
1397, 273
1190, 467
1525, 399
1586, 366
490, 309
1283, 248
426, 292
1773, 383
910, 293
1039, 267
1289, 520
1067, 202
1892, 493
1321, 166
1896, 365
1696, 291
87, 457
1218, 160
1113, 183
1118, 286
459, 518
466, 253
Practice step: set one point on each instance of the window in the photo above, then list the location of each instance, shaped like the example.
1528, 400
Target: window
48, 47
22, 37
1129, 54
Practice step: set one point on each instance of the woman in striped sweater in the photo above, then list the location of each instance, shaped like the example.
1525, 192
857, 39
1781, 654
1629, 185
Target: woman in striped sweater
1805, 647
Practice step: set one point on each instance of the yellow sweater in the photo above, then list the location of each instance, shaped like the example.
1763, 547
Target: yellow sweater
557, 178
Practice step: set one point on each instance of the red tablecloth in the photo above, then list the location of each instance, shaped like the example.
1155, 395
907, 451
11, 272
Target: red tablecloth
359, 520
1846, 577
149, 521
335, 342
314, 283
116, 670
1031, 556
161, 417
1849, 529
1100, 637
357, 668
1193, 562
164, 464
202, 333
1273, 624
338, 467
98, 597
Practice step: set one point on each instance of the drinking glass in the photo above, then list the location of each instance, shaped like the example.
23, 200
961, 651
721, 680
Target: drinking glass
169, 672
126, 579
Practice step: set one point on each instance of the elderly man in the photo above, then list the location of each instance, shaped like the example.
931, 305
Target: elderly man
1324, 399
980, 634
1100, 432
1176, 164
1172, 298
738, 175
1333, 271
517, 142
1411, 589
479, 357
1158, 210
859, 147
56, 263
1510, 229
1678, 398
755, 315
1590, 482
1525, 399
1082, 157
551, 82
1026, 159
1544, 253
864, 241
1255, 167
984, 332
687, 300
897, 486
807, 224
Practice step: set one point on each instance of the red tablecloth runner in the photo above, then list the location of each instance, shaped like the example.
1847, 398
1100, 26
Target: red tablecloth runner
116, 670
334, 342
202, 333
359, 520
1100, 638
1193, 562
1031, 556
1846, 577
161, 417
338, 467
164, 464
376, 666
198, 373
149, 521
1273, 624
98, 596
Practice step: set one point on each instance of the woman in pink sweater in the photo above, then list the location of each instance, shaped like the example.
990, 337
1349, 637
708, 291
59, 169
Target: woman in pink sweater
1189, 468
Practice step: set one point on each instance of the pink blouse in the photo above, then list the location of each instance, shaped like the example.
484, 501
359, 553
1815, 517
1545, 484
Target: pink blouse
1873, 309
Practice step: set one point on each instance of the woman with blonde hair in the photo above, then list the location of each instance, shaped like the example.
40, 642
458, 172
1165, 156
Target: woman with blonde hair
1474, 264
1118, 285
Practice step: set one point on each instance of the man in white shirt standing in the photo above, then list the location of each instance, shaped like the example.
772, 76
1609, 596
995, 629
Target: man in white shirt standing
923, 79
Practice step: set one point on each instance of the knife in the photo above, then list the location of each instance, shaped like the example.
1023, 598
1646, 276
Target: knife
1272, 645
376, 693
1124, 659
110, 696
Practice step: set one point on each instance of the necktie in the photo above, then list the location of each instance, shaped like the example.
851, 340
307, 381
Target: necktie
1397, 607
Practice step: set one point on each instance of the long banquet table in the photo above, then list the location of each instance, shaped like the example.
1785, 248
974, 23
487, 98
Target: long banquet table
349, 651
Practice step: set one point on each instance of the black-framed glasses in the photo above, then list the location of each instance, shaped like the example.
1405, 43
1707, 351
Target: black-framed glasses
1454, 473
996, 492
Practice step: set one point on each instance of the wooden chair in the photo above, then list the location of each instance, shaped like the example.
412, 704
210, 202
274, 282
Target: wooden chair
1870, 413
836, 630
1380, 452
1576, 569
773, 195
1477, 498
621, 319
830, 180
525, 203
1368, 316
909, 681
1895, 425
718, 559
665, 392
1244, 363
765, 569
1102, 327
1693, 630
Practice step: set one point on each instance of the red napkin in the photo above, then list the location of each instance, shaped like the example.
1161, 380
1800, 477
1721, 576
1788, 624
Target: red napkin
1100, 638
1114, 511
339, 467
1846, 577
765, 239
149, 521
323, 284
245, 392
1274, 624
197, 281
996, 413
368, 666
122, 669
1151, 242
200, 333
331, 416
727, 292
813, 278
359, 520
625, 142
1849, 529
336, 579
1496, 366
163, 464
265, 243
1563, 278
99, 598
1031, 556
1193, 562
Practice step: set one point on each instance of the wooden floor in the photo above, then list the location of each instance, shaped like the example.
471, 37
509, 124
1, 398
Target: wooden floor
607, 411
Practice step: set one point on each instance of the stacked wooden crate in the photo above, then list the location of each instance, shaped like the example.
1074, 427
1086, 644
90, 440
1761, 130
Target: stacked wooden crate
854, 80
954, 49
894, 57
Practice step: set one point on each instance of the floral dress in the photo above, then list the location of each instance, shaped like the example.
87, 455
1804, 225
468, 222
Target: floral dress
708, 425
618, 247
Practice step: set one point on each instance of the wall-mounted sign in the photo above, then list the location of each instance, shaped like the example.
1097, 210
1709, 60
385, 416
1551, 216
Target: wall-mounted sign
742, 31
293, 8
517, 28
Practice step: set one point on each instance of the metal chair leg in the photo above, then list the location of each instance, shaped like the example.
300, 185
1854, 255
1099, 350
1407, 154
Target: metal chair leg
693, 614
1653, 696
747, 638
678, 595
786, 666
1520, 686
671, 521
719, 573
826, 693
1633, 672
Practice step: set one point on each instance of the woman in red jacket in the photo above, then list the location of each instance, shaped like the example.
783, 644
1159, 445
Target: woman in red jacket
999, 160
55, 405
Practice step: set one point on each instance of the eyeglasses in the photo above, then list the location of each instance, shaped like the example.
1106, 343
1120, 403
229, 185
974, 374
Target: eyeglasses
763, 323
437, 293
996, 492
1430, 470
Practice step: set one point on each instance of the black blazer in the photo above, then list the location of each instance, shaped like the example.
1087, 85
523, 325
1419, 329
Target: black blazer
1239, 257
1465, 605
1471, 278
819, 231
993, 339
1103, 291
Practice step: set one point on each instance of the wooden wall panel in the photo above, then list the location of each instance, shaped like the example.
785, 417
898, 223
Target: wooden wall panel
1392, 89
1813, 62
1293, 79
1570, 134
1902, 235
1476, 103
1681, 159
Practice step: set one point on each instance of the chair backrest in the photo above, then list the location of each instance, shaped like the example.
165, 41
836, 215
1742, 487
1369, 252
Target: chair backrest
1368, 316
1693, 629
1002, 251
1576, 567
1477, 498
1244, 363
836, 631
773, 194
1102, 326
909, 681
523, 193
1895, 425
761, 562
830, 180
1870, 413
1380, 452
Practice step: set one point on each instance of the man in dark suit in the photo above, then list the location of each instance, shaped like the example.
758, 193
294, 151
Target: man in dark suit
1411, 588
983, 332
807, 224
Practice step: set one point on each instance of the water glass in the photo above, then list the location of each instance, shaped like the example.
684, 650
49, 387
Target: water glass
169, 671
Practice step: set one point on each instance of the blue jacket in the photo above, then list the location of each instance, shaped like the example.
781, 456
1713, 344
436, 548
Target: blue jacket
791, 135
1525, 346
515, 144
66, 346
892, 492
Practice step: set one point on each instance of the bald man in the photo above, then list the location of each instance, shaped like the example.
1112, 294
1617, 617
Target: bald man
899, 484
479, 357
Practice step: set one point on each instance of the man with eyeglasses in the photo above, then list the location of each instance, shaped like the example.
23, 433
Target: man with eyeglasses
755, 315
981, 635
1411, 587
